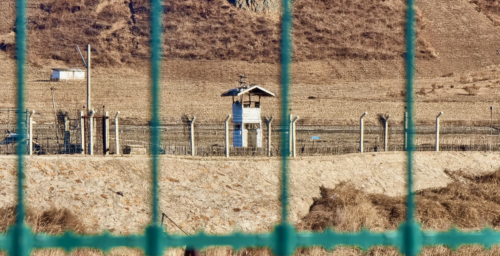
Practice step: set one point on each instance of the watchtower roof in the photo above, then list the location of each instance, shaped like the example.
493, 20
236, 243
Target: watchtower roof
252, 89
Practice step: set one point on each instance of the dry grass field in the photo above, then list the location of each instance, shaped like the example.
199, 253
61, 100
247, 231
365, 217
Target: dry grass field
469, 203
194, 88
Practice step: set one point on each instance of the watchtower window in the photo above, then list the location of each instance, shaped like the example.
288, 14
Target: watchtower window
252, 126
251, 104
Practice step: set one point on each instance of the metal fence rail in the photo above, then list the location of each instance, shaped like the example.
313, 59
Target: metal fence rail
409, 238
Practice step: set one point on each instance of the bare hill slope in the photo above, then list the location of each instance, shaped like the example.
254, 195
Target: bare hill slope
217, 30
464, 38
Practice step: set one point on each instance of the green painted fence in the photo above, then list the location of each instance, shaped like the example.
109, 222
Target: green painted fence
409, 238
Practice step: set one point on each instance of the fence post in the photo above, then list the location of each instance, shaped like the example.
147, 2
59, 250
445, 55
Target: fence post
491, 120
290, 136
227, 135
269, 121
30, 127
294, 136
67, 138
117, 138
437, 130
192, 135
91, 133
386, 132
106, 133
82, 131
406, 132
361, 132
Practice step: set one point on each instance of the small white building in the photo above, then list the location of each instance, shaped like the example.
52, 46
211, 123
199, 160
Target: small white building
59, 74
247, 130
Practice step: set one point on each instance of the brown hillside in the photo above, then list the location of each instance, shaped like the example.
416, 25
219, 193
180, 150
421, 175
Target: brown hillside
215, 30
491, 8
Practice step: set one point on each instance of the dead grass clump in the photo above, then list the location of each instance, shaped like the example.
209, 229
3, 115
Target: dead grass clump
465, 79
422, 92
472, 90
470, 202
53, 221
392, 94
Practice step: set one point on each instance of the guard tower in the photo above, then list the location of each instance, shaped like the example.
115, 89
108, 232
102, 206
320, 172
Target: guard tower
246, 113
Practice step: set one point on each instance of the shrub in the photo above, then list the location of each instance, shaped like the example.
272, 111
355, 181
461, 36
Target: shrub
472, 90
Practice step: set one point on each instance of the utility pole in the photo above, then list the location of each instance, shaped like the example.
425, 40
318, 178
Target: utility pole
87, 65
88, 78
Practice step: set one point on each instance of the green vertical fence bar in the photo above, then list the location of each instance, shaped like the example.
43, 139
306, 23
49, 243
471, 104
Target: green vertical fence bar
408, 238
20, 241
285, 243
412, 230
154, 231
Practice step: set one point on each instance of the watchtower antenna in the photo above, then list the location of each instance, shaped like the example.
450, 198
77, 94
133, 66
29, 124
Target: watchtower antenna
242, 80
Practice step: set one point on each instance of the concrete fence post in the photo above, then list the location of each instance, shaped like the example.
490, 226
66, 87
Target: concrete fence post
294, 136
106, 133
406, 131
30, 130
117, 135
386, 133
82, 131
290, 136
437, 130
67, 135
227, 135
361, 132
91, 133
192, 135
269, 121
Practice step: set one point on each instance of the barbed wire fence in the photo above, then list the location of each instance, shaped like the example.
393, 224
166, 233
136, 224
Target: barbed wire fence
327, 137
